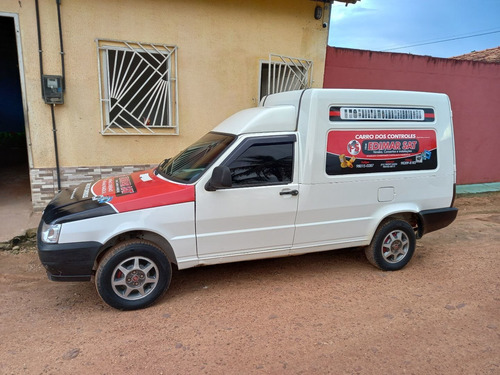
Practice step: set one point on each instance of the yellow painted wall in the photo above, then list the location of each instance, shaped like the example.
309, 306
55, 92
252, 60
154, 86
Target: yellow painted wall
220, 45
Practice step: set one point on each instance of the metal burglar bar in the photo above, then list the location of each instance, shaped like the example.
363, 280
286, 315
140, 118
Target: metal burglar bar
138, 88
288, 73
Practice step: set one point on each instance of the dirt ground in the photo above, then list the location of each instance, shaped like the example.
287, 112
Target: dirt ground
328, 312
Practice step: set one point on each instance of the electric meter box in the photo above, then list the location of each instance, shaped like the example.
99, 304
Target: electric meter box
52, 89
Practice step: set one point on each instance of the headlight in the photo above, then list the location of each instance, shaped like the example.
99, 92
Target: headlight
50, 233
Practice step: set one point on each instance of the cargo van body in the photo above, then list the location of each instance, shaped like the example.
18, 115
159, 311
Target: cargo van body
306, 171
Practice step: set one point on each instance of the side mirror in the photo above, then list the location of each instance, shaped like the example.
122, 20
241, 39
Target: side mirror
221, 178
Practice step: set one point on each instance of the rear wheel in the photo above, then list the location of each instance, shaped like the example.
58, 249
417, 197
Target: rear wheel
133, 275
392, 246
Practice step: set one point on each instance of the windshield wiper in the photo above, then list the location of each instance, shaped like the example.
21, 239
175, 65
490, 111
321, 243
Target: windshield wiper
159, 168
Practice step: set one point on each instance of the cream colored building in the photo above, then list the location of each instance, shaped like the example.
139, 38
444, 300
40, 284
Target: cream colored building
144, 79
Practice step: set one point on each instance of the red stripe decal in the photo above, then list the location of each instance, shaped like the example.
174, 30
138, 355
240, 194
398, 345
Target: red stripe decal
147, 191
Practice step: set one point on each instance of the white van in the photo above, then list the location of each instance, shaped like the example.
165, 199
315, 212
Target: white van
306, 171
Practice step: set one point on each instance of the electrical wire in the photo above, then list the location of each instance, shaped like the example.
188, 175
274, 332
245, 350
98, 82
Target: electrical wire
441, 41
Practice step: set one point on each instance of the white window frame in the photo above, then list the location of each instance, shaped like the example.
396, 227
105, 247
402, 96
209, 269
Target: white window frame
142, 105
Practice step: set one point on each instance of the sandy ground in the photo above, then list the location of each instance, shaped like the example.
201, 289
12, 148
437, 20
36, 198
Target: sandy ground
16, 209
329, 312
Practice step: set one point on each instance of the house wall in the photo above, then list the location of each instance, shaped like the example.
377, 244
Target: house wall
220, 45
473, 88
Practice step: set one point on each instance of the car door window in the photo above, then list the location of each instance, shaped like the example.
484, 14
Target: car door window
263, 164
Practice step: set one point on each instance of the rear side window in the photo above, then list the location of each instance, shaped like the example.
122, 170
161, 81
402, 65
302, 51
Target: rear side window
263, 163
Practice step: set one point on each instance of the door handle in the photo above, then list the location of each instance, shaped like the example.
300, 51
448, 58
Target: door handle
290, 192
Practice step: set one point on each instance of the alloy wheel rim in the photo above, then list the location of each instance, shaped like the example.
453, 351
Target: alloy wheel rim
395, 246
135, 278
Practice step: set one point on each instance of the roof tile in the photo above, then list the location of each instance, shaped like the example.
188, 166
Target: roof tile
491, 55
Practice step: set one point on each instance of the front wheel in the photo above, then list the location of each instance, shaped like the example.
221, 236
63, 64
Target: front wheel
392, 246
133, 275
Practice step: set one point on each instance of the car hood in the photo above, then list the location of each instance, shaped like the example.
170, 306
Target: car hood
139, 190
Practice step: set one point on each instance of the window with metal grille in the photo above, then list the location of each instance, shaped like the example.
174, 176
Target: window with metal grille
138, 88
284, 73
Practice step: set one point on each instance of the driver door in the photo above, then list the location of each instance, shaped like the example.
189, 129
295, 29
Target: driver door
255, 217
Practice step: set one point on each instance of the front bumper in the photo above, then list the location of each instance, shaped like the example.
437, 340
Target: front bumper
68, 262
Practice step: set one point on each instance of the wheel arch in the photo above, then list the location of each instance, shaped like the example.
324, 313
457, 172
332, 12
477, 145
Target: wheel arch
152, 237
411, 217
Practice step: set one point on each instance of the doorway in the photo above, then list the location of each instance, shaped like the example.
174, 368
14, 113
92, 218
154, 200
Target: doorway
14, 152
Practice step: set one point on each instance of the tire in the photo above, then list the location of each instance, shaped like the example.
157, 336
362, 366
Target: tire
133, 275
392, 246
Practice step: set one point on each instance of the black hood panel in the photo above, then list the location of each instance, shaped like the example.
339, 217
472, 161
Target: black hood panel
75, 204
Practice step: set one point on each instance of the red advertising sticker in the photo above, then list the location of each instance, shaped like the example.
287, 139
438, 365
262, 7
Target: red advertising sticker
369, 151
140, 190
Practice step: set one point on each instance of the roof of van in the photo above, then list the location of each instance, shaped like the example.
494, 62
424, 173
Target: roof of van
261, 119
352, 96
278, 112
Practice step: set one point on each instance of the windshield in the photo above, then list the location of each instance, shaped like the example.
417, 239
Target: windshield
190, 164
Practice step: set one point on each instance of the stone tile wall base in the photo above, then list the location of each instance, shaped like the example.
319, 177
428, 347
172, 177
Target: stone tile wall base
44, 180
